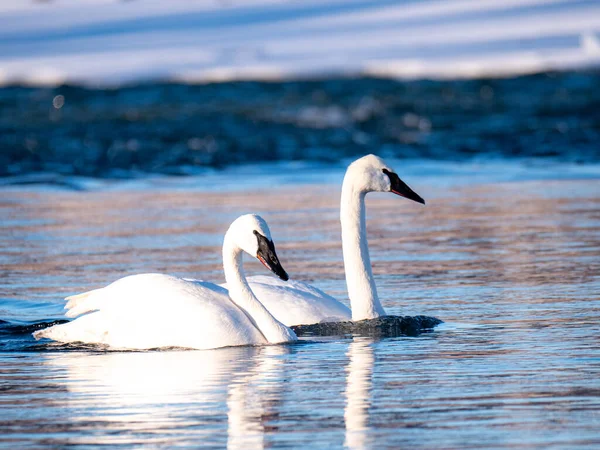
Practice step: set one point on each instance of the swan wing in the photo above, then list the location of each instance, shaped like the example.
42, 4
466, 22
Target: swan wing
300, 286
297, 303
155, 310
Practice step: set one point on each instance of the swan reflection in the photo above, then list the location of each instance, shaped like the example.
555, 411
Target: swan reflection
358, 392
179, 393
253, 399
229, 397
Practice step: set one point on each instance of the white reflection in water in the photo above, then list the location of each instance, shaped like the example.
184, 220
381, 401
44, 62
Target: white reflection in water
149, 391
358, 392
153, 394
253, 398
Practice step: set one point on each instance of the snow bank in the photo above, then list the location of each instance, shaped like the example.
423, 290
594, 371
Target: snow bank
103, 42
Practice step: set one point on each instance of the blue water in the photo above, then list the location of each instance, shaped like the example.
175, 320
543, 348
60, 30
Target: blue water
96, 184
506, 252
177, 129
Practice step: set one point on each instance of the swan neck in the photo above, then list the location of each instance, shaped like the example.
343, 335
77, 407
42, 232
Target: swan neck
362, 291
241, 294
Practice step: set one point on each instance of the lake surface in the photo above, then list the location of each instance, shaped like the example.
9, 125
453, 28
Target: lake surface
507, 254
183, 129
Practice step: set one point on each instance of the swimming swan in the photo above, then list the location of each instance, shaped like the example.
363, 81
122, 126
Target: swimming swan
297, 303
154, 310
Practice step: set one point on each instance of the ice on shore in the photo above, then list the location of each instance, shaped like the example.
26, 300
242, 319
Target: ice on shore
110, 42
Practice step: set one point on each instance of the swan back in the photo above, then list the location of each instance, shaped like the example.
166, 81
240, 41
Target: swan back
156, 310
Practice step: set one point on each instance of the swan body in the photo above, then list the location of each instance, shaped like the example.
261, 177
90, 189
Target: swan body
155, 310
297, 303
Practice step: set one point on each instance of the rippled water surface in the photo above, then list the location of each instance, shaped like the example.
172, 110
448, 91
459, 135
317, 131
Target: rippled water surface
511, 265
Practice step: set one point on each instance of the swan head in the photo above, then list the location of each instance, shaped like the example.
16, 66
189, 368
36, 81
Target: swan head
252, 235
371, 174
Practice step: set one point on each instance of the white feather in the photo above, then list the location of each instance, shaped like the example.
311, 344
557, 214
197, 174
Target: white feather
295, 302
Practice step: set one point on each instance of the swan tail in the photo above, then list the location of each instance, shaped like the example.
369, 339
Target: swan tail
54, 332
92, 328
82, 303
45, 333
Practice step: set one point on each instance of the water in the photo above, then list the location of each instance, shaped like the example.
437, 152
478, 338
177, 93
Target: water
506, 253
180, 129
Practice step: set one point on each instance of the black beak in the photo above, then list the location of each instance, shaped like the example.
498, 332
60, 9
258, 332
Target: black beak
401, 188
266, 255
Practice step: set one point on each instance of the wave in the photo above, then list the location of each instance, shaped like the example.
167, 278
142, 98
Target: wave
16, 336
19, 329
382, 327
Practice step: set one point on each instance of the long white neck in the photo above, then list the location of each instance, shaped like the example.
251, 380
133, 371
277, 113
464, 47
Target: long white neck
359, 277
241, 294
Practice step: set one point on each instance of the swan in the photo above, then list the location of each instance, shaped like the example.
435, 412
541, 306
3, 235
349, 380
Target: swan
297, 303
155, 310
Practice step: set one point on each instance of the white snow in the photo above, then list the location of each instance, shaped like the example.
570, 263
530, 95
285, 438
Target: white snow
104, 42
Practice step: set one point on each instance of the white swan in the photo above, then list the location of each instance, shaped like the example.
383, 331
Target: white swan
297, 303
155, 310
